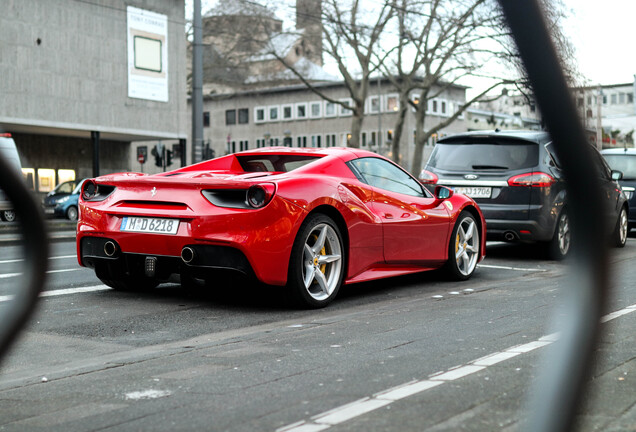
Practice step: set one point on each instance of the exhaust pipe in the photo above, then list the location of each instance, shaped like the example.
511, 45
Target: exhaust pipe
509, 236
110, 248
187, 254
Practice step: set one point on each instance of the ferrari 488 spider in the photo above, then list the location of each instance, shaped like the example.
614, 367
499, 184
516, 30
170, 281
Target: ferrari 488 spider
307, 219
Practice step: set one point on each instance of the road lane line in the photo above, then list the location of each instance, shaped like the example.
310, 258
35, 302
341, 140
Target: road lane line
66, 291
11, 261
511, 268
338, 415
10, 275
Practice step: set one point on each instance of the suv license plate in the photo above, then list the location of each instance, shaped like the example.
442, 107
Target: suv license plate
149, 225
474, 192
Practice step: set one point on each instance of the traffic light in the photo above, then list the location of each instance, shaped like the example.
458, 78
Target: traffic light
168, 157
158, 154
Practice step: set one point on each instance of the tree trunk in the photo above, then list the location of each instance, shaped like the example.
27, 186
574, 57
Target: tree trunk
398, 129
420, 140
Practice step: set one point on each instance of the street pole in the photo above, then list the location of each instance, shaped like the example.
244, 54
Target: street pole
197, 84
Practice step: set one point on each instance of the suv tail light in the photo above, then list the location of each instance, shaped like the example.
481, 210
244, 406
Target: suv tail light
532, 179
427, 177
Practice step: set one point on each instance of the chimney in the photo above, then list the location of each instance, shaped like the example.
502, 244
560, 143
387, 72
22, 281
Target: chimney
309, 18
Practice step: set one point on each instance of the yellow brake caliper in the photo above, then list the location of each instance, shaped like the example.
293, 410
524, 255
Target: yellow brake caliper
323, 251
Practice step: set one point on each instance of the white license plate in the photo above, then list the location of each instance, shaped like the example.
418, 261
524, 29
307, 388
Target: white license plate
474, 192
49, 211
149, 225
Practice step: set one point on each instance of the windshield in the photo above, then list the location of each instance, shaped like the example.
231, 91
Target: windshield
623, 162
484, 156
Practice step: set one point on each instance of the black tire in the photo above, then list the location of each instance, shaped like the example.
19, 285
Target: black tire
131, 283
464, 248
619, 235
560, 245
317, 263
72, 213
8, 215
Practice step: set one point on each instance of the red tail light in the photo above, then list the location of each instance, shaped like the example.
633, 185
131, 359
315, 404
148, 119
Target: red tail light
5, 135
532, 179
427, 177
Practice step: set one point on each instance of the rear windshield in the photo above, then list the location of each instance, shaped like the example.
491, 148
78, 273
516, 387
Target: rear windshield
624, 163
484, 156
274, 163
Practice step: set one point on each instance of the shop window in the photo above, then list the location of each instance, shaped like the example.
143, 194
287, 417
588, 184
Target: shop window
46, 180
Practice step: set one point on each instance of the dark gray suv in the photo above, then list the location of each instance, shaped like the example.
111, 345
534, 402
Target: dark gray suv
516, 179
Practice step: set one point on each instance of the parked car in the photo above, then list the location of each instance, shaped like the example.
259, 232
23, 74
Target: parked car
62, 201
306, 218
624, 160
9, 153
516, 178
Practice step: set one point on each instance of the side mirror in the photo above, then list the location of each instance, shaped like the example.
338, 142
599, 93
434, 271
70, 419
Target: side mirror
442, 192
617, 175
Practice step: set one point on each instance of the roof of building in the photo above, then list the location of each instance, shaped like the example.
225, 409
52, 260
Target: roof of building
240, 8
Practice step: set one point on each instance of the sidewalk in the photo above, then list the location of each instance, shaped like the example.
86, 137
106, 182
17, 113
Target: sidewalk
59, 230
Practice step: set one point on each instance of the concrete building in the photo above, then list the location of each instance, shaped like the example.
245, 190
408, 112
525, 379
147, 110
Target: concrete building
295, 116
80, 81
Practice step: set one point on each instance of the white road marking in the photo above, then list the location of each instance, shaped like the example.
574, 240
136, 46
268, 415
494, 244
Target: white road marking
511, 268
355, 409
147, 394
10, 275
22, 259
60, 292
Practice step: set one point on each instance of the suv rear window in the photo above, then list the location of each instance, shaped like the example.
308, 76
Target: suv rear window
484, 156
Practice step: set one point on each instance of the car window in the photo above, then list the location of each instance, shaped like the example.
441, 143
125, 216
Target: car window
384, 175
603, 169
66, 187
552, 158
624, 163
484, 156
274, 163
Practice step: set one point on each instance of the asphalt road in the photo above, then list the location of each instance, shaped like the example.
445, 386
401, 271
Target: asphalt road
406, 354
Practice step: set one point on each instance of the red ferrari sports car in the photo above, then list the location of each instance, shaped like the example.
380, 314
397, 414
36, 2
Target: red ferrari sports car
309, 219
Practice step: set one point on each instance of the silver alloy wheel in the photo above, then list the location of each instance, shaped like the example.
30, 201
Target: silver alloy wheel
622, 227
563, 234
467, 246
322, 261
71, 213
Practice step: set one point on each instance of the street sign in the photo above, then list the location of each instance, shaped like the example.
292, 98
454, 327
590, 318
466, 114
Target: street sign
142, 154
141, 158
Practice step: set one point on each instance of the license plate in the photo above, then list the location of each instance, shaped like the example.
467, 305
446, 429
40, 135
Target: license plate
149, 225
49, 211
474, 192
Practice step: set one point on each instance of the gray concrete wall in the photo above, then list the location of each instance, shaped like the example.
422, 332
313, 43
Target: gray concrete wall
63, 64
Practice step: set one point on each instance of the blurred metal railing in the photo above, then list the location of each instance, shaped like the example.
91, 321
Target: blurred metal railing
35, 244
558, 390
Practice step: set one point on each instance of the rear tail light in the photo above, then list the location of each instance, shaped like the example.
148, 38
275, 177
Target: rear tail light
532, 179
259, 195
5, 135
92, 191
427, 177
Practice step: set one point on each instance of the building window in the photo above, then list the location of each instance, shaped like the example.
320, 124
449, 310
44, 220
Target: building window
392, 103
330, 109
315, 141
630, 98
604, 99
315, 109
589, 100
363, 141
330, 140
206, 119
301, 111
288, 112
621, 98
389, 136
260, 143
273, 113
301, 141
345, 111
613, 99
373, 139
244, 145
435, 106
443, 107
230, 117
259, 115
373, 104
287, 141
243, 116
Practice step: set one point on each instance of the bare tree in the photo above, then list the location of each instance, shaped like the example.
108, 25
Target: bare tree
352, 36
